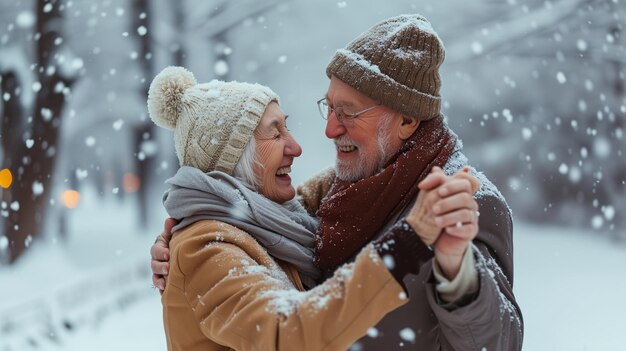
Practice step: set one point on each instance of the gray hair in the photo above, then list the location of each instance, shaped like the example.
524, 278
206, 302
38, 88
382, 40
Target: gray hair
244, 170
384, 140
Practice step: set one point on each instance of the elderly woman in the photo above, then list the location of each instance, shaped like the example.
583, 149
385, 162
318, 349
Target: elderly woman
242, 254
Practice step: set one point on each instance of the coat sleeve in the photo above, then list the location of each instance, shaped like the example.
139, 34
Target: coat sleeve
490, 319
244, 305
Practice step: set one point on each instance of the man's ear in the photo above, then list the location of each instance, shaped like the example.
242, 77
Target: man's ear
408, 127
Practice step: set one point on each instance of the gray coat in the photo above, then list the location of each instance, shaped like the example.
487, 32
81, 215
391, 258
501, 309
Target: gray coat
490, 320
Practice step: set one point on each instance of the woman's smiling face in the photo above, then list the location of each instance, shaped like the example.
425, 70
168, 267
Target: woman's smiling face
275, 150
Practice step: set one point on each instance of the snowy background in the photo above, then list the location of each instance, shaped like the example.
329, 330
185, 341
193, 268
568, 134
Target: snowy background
536, 89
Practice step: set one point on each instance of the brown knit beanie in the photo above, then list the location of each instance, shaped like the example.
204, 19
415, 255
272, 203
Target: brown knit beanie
212, 122
396, 62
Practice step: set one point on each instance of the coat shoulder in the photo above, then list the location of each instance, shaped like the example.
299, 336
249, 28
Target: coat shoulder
211, 241
313, 191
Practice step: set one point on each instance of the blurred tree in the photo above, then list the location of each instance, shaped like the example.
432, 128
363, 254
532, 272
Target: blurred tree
143, 133
30, 138
178, 47
571, 145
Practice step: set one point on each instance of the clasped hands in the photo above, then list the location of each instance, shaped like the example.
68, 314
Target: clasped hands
445, 216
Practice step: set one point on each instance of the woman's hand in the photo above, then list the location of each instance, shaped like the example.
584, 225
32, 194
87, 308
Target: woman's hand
160, 253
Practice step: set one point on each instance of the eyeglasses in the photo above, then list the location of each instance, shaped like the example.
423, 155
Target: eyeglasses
342, 116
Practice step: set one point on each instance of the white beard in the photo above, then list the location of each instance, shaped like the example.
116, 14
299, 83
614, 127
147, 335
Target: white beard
367, 166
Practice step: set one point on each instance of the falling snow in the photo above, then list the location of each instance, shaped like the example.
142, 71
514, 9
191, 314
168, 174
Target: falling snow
46, 114
407, 334
539, 87
601, 147
477, 48
141, 30
221, 68
609, 213
117, 125
389, 262
36, 86
597, 222
90, 141
25, 19
81, 173
28, 240
37, 188
506, 113
4, 243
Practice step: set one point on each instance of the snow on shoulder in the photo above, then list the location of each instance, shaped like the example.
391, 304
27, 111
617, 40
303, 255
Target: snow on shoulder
458, 160
288, 301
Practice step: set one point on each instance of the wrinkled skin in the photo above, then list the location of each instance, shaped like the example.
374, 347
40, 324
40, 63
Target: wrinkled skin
275, 149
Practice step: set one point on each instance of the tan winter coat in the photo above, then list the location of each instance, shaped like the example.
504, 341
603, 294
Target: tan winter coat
225, 292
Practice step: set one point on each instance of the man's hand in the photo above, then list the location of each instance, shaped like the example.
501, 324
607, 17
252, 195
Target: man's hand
421, 216
430, 214
160, 253
445, 215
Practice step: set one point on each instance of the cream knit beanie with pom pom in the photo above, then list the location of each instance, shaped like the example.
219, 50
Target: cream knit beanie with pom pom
212, 122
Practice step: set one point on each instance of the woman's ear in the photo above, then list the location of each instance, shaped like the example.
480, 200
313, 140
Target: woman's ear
408, 127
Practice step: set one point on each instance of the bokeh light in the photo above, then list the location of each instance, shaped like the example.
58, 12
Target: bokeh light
131, 183
6, 178
70, 198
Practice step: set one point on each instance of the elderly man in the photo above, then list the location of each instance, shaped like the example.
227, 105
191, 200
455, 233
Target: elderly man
383, 113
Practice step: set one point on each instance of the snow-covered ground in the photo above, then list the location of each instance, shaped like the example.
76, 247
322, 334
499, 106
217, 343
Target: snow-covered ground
571, 288
90, 292
94, 293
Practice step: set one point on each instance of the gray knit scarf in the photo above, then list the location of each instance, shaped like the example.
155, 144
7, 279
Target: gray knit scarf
285, 230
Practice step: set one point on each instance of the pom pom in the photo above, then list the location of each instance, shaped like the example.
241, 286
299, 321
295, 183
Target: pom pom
166, 93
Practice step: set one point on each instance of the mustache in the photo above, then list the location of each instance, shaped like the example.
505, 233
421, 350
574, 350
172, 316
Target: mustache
345, 140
